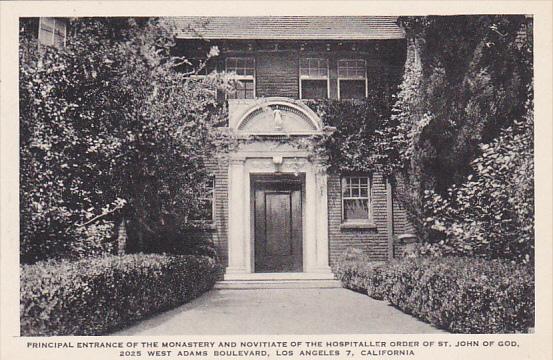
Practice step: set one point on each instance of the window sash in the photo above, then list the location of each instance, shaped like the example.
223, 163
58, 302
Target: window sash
352, 69
347, 88
52, 31
310, 92
208, 213
348, 70
242, 67
243, 89
314, 68
356, 194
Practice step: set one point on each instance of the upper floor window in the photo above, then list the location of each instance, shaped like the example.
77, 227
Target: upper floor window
356, 199
313, 78
52, 31
352, 79
244, 71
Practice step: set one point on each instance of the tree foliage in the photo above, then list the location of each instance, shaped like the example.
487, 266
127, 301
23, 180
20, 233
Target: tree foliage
467, 80
491, 214
109, 130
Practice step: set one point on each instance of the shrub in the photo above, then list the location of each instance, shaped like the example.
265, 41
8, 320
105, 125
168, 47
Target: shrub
491, 214
462, 295
96, 296
357, 273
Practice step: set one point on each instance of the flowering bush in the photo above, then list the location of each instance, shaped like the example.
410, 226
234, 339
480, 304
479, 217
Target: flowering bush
98, 295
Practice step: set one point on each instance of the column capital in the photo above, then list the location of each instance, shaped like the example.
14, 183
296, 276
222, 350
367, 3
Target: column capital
237, 159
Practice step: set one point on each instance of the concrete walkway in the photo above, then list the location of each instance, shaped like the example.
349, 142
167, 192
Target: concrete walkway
281, 311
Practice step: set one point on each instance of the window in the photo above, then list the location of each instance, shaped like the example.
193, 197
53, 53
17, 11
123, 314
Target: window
206, 211
313, 78
244, 73
352, 79
52, 31
356, 199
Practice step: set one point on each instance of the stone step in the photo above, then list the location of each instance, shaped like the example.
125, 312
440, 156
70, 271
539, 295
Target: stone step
277, 284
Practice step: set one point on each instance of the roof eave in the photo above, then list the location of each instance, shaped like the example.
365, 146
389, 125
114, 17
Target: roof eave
348, 38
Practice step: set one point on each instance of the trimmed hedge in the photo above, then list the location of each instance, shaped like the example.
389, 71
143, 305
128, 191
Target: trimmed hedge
96, 296
358, 273
461, 295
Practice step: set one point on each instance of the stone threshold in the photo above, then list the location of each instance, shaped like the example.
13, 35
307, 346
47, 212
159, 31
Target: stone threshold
276, 284
286, 280
323, 275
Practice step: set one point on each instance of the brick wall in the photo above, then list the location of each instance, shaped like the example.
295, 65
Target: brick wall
373, 241
277, 74
218, 233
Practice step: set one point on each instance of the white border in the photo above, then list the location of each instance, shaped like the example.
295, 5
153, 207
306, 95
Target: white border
531, 346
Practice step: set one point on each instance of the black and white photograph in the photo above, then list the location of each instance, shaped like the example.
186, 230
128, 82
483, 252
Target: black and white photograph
187, 177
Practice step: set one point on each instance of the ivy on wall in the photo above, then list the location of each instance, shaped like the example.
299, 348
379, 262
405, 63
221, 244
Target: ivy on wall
362, 139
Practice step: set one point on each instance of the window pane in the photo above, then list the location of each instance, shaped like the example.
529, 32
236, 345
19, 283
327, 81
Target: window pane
244, 89
205, 210
352, 89
351, 68
60, 27
355, 197
356, 209
47, 23
314, 67
241, 66
314, 89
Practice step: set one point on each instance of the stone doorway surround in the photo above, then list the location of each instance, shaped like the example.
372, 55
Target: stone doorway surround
269, 119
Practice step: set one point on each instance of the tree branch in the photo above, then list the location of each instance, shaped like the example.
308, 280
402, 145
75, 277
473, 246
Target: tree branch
99, 216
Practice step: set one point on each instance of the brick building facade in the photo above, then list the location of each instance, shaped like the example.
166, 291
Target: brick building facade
277, 213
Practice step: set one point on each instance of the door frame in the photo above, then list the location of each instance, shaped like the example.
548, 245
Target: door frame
279, 178
259, 158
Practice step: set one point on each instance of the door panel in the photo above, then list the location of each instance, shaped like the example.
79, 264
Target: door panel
278, 226
278, 220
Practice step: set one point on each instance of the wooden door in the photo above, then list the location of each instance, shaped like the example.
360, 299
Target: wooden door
278, 226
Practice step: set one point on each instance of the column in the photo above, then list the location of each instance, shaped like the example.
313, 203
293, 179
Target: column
310, 245
236, 209
322, 219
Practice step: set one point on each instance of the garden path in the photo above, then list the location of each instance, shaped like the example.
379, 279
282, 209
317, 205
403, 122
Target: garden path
281, 311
